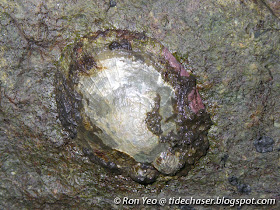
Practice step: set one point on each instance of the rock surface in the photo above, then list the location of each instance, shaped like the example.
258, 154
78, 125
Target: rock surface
233, 48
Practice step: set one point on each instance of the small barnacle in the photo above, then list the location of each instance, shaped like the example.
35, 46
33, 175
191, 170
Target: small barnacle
131, 105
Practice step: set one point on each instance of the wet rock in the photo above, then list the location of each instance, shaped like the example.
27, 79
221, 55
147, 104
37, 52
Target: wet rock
113, 3
228, 62
123, 44
224, 159
233, 180
187, 207
144, 173
264, 144
241, 187
244, 188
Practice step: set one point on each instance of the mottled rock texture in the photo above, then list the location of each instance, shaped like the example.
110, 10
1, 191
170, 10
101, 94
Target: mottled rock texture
232, 48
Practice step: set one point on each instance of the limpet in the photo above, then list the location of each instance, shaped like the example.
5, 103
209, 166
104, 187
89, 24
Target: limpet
131, 105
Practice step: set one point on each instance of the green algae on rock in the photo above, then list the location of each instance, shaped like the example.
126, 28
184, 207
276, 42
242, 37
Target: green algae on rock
131, 105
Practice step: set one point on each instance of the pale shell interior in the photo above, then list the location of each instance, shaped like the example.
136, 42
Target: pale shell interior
117, 98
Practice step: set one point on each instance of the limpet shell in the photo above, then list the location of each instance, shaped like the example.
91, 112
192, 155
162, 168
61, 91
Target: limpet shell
131, 105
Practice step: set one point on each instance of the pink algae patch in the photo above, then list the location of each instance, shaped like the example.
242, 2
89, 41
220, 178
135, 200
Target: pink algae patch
174, 63
195, 101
